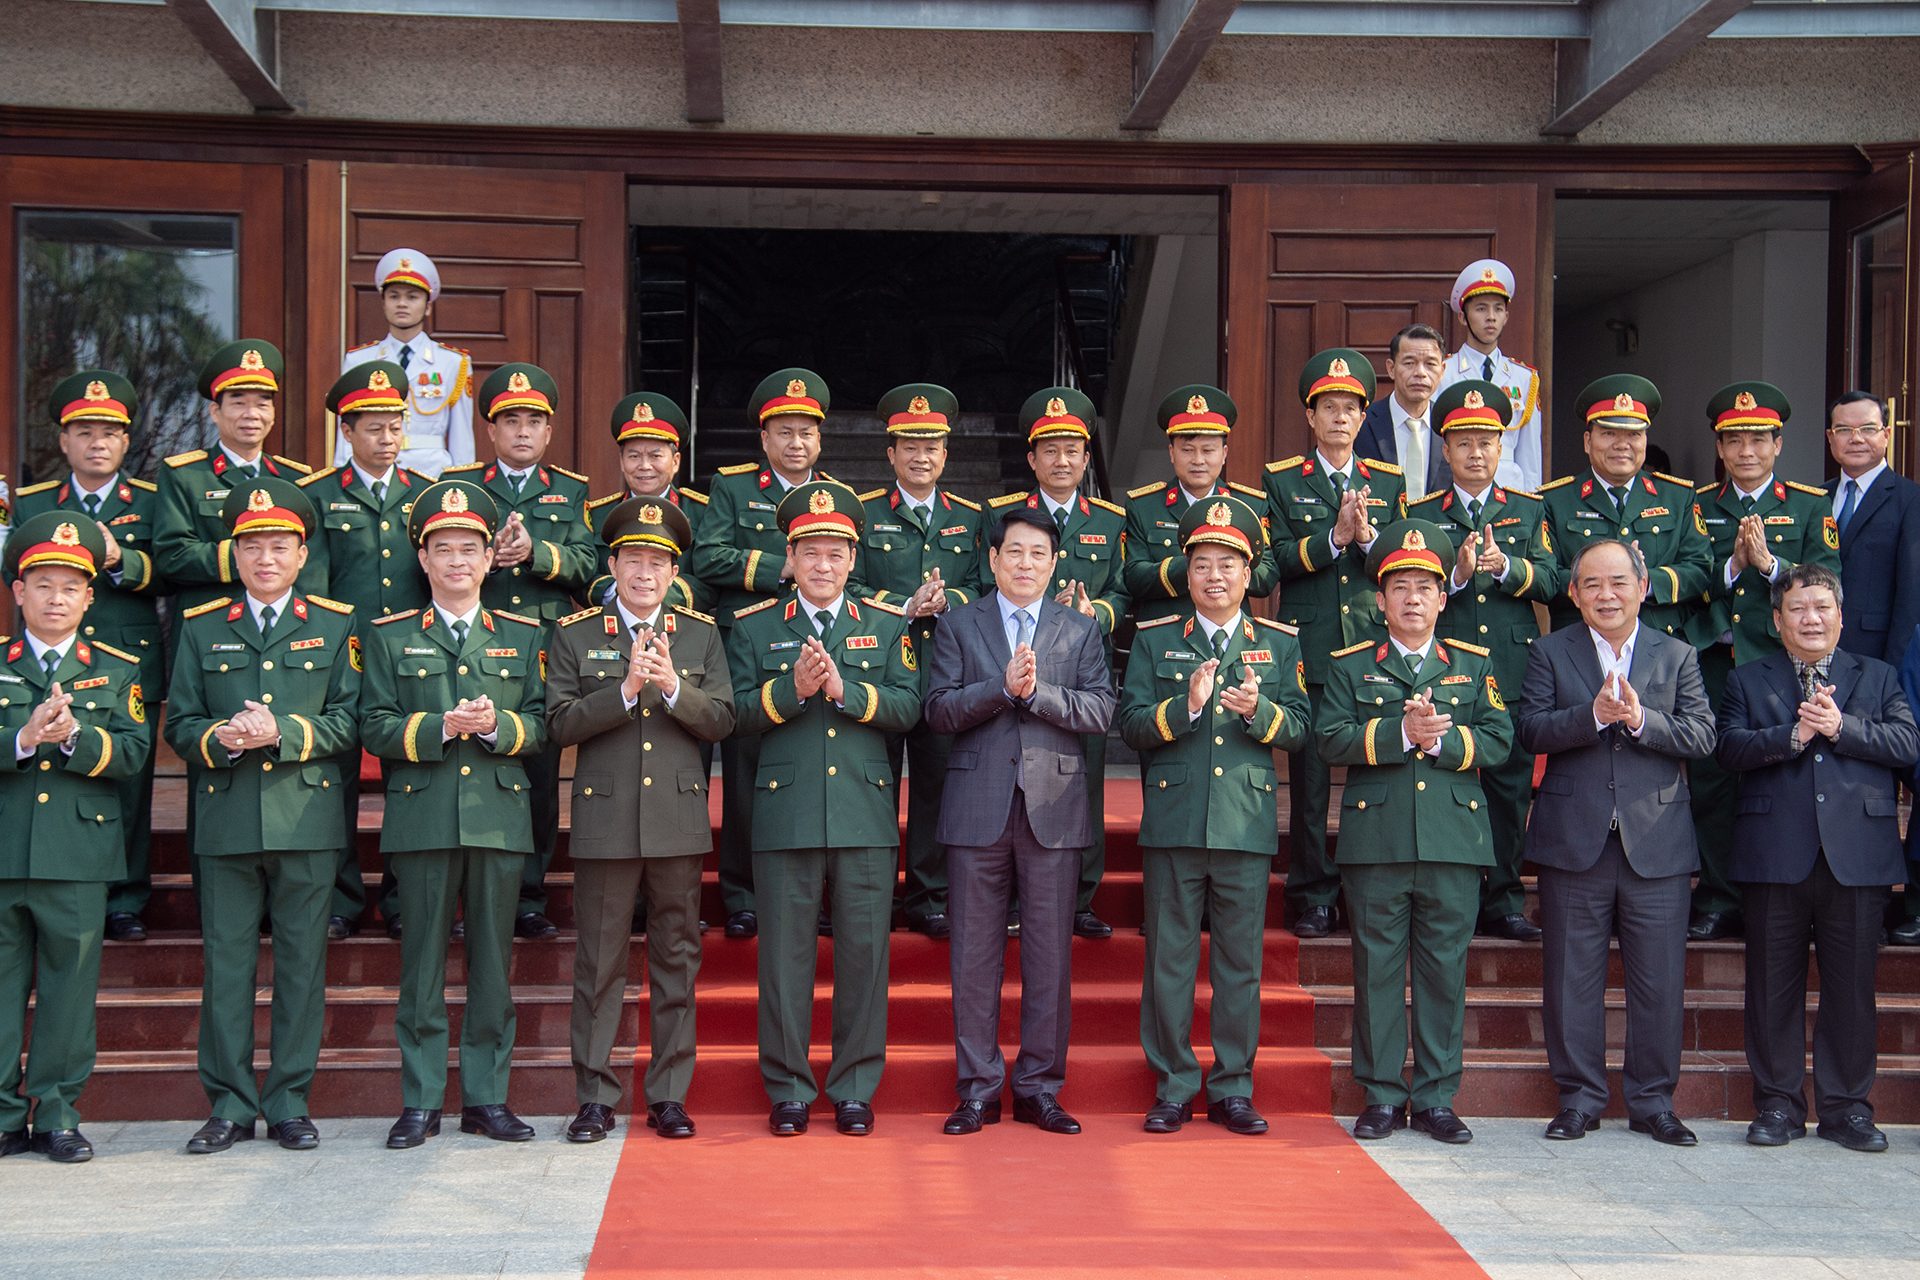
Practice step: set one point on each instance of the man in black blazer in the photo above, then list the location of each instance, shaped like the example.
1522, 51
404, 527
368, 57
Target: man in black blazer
1822, 740
1416, 358
1016, 677
1617, 709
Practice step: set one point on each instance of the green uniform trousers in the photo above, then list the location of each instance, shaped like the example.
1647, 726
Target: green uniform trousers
235, 891
50, 933
739, 763
432, 883
925, 890
1312, 878
604, 891
136, 819
1509, 790
543, 771
1181, 885
1093, 858
789, 884
349, 888
1716, 794
1428, 908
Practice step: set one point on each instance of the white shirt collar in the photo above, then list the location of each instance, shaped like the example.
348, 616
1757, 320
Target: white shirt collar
448, 619
82, 492
1233, 626
635, 622
1865, 482
908, 500
1400, 415
1485, 497
238, 461
808, 608
520, 474
1054, 508
368, 479
1328, 466
1193, 497
1403, 651
1764, 486
1472, 361
1608, 662
40, 650
1008, 608
254, 606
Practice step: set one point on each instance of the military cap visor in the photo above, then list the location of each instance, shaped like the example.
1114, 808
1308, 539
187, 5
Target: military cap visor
1197, 410
244, 365
1410, 544
921, 410
1488, 276
56, 539
1222, 521
1056, 412
648, 522
92, 395
452, 504
268, 505
1472, 405
378, 386
1623, 401
1749, 406
408, 266
647, 415
518, 386
821, 508
1338, 369
790, 391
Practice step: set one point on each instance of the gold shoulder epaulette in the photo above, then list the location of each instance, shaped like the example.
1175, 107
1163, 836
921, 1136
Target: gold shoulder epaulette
301, 467
1709, 486
182, 459
695, 494
1277, 626
1114, 507
1284, 463
366, 346
1672, 479
208, 607
1246, 488
138, 483
1555, 484
881, 604
573, 475
876, 493
1525, 493
465, 466
304, 481
42, 487
581, 616
395, 617
462, 350
1482, 650
739, 470
338, 606
1007, 499
121, 654
1437, 493
1807, 488
691, 613
516, 617
1387, 467
968, 503
755, 608
1352, 648
1156, 622
594, 504
1146, 489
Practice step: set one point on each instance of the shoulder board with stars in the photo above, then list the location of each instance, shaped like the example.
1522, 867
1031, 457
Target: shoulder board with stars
1387, 467
1362, 647
742, 469
594, 504
1284, 463
182, 459
876, 493
571, 475
968, 503
695, 614
1146, 489
1435, 496
1555, 484
395, 617
138, 483
208, 607
121, 654
1007, 499
301, 467
1156, 622
336, 606
755, 608
1104, 505
1470, 648
695, 494
1807, 488
465, 466
879, 604
581, 616
515, 617
1269, 622
317, 476
1672, 479
42, 487
1248, 489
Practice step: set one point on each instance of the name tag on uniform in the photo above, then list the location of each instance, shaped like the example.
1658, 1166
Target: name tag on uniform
343, 506
1177, 656
94, 683
11, 680
1586, 515
1257, 655
1778, 520
1096, 539
217, 493
863, 642
409, 652
960, 528
1301, 497
1456, 679
887, 528
553, 497
785, 644
604, 655
503, 653
1371, 678
315, 643
760, 506
229, 648
1714, 520
1165, 524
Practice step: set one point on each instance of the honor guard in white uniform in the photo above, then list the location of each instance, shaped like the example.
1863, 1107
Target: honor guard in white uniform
1492, 281
439, 378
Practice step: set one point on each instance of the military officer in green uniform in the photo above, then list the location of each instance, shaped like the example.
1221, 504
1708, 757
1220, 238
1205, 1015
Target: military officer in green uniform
95, 409
921, 555
1412, 717
740, 552
822, 680
1197, 421
647, 428
1505, 563
360, 554
455, 697
265, 694
1091, 578
542, 560
77, 728
1761, 527
1211, 695
1325, 512
1615, 497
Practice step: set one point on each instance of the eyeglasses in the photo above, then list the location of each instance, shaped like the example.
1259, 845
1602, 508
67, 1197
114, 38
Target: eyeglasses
1855, 433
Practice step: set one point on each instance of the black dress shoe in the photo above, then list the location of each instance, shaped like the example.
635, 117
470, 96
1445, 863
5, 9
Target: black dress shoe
532, 924
1774, 1129
457, 931
1572, 1124
15, 1143
788, 1119
217, 1135
1710, 926
1665, 1127
413, 1128
1314, 922
1514, 928
1440, 1124
1905, 934
593, 1122
1855, 1133
124, 926
670, 1118
393, 928
1044, 1110
825, 923
339, 928
1237, 1114
496, 1122
853, 1117
297, 1134
1379, 1120
743, 924
970, 1117
1088, 925
1013, 924
934, 926
1167, 1117
69, 1146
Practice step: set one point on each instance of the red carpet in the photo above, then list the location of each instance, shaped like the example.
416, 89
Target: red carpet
1012, 1203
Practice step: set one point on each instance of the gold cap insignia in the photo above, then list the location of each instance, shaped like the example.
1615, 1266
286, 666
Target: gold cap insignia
259, 500
796, 388
1623, 402
1219, 513
1744, 401
1489, 276
650, 514
1056, 408
1475, 400
643, 412
821, 503
453, 500
252, 360
1196, 404
1338, 369
918, 405
97, 391
517, 382
66, 536
406, 264
379, 381
1413, 541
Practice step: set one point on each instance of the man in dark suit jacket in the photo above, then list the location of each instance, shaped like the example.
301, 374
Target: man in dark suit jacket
1016, 677
1617, 708
1416, 358
1822, 739
1878, 512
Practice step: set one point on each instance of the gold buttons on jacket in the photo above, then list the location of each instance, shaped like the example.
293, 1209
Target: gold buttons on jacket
647, 782
1343, 608
1483, 628
1361, 805
267, 666
463, 666
90, 706
646, 746
43, 796
266, 766
386, 582
1483, 599
89, 630
384, 526
831, 770
387, 553
1420, 786
309, 666
1219, 742
1473, 804
587, 791
266, 697
1217, 771
1736, 617
46, 764
833, 733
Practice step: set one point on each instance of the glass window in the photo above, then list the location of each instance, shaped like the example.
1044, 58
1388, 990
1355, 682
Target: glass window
148, 295
1880, 286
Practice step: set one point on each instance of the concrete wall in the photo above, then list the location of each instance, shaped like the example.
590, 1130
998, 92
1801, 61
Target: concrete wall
1756, 312
1171, 340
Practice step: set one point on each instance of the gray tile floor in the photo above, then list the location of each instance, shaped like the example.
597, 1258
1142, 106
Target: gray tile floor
1618, 1206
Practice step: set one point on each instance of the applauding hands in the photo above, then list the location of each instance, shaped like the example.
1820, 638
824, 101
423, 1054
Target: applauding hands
52, 721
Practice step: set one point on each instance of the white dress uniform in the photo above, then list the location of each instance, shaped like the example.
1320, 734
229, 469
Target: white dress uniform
1520, 454
440, 391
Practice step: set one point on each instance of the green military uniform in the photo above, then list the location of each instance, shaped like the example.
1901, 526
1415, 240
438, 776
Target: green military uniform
60, 848
360, 554
645, 415
269, 818
652, 834
739, 551
552, 505
1156, 567
1208, 829
905, 546
1327, 596
125, 602
1093, 552
1413, 836
1496, 613
459, 821
817, 759
1800, 529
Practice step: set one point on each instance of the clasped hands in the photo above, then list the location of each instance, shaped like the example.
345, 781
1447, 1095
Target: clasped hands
1075, 597
815, 671
1618, 703
650, 660
931, 598
1242, 699
1423, 725
52, 721
1478, 557
252, 727
1022, 676
514, 545
1819, 716
1750, 547
1353, 524
471, 715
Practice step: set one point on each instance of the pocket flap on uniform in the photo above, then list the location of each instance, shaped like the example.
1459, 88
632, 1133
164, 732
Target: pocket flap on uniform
320, 774
880, 775
773, 776
1525, 632
237, 658
1363, 795
1469, 795
411, 778
1882, 807
1166, 775
99, 809
592, 785
512, 777
692, 780
1297, 613
421, 664
1261, 779
217, 779
1755, 804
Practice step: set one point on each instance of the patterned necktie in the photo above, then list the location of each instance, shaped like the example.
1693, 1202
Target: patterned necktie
1848, 503
1025, 620
459, 633
266, 624
1809, 681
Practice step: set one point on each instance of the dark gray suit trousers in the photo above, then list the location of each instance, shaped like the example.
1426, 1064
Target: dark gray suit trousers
1578, 911
979, 880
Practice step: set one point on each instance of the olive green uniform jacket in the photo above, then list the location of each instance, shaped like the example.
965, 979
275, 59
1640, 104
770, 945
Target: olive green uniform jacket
1326, 594
1800, 530
552, 504
192, 546
361, 553
687, 590
1156, 568
1660, 516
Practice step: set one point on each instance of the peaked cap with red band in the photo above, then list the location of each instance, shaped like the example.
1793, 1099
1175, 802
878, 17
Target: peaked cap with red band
1338, 369
1198, 410
648, 415
921, 410
92, 395
1749, 406
1057, 411
268, 505
1410, 544
790, 391
378, 386
247, 364
55, 538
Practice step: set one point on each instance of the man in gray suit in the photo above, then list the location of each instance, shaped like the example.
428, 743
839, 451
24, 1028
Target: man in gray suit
1016, 678
1617, 709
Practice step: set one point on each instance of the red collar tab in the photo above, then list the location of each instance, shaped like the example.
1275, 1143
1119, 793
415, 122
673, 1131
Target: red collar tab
666, 623
1306, 468
1446, 503
1650, 488
267, 462
1779, 491
486, 619
1380, 654
1586, 489
673, 495
401, 472
15, 650
300, 608
945, 501
347, 474
220, 463
853, 611
1361, 466
233, 614
1499, 494
83, 653
426, 620
613, 625
491, 473
766, 479
1033, 500
546, 481
1187, 630
66, 491
893, 503
126, 494
1246, 629
1440, 652
1173, 493
792, 606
